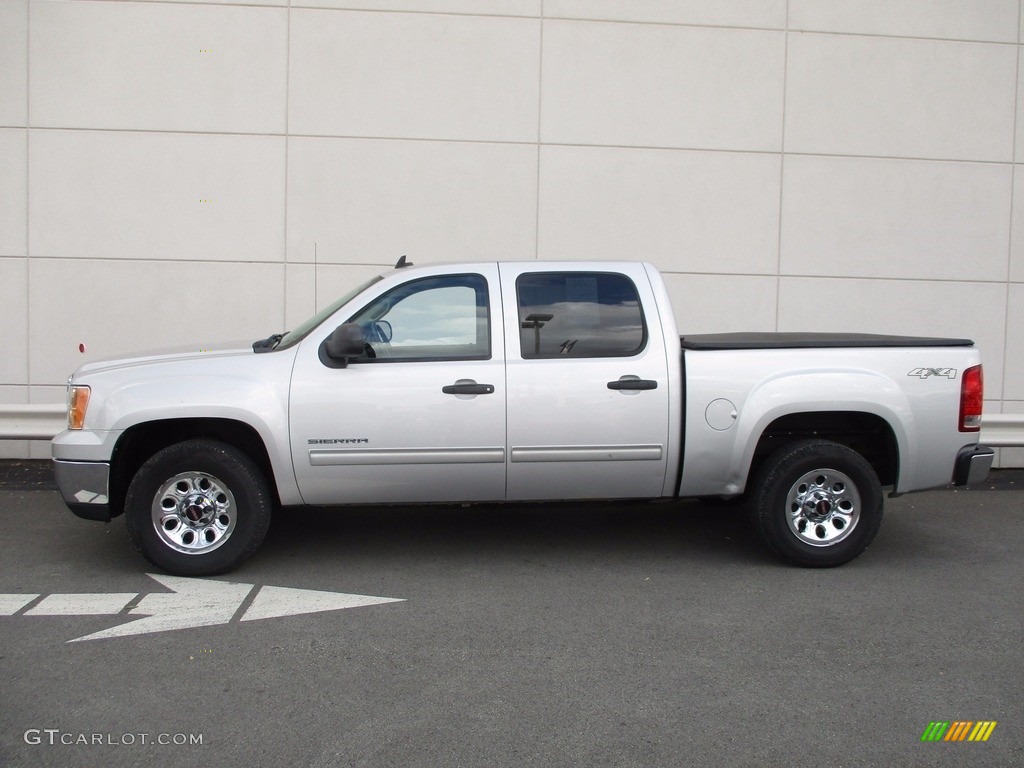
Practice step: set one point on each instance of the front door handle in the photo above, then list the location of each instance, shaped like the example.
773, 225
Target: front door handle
632, 383
466, 387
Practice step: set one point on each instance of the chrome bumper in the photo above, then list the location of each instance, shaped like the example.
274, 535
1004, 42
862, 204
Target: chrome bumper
973, 464
85, 486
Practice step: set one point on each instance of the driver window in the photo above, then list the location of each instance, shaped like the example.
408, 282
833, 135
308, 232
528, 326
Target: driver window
436, 318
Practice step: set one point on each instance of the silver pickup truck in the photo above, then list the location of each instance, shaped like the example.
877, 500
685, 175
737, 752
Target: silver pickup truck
516, 382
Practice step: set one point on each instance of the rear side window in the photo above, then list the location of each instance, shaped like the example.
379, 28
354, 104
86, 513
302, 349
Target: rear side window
579, 314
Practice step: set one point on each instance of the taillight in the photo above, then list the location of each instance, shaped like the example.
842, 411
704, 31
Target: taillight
972, 396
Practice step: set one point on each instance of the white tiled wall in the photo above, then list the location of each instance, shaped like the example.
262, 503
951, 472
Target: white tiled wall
988, 21
763, 14
14, 321
13, 62
654, 85
870, 217
172, 303
1015, 344
140, 195
13, 191
368, 201
1017, 233
898, 97
176, 172
413, 75
723, 303
710, 212
157, 66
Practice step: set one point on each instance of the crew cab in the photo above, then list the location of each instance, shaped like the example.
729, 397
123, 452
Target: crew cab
516, 382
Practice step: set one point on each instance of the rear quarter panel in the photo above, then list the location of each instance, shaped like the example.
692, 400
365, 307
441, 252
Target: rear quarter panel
764, 385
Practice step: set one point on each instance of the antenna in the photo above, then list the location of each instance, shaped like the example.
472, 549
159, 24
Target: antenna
402, 263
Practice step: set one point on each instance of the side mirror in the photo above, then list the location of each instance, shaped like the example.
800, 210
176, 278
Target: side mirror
382, 331
344, 343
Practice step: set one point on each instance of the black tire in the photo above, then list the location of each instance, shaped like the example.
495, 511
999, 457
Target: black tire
198, 508
817, 503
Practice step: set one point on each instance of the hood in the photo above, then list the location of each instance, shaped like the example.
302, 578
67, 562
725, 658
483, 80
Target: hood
170, 354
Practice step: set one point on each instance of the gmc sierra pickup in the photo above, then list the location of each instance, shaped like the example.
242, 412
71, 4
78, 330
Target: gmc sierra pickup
516, 382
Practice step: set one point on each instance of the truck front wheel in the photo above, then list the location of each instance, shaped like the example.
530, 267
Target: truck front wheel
817, 503
198, 508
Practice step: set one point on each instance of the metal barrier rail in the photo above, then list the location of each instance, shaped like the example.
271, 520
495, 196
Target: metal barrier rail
43, 422
31, 422
1003, 430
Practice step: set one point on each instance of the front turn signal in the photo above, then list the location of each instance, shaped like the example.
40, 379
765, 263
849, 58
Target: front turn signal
78, 403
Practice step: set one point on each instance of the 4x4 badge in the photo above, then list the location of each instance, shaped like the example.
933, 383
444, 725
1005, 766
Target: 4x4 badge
927, 373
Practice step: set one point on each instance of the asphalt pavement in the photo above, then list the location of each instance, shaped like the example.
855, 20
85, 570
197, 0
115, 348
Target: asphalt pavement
554, 635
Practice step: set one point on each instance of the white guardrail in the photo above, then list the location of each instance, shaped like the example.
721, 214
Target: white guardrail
1003, 430
32, 422
43, 422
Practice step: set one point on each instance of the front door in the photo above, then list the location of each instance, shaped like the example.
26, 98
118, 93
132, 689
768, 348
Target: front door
420, 416
588, 411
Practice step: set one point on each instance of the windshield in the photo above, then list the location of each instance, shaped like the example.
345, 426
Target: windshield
294, 337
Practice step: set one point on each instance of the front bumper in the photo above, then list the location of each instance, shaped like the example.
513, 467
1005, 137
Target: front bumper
973, 464
85, 486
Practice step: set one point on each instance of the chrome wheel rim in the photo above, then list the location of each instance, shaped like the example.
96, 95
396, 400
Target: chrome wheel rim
194, 513
823, 507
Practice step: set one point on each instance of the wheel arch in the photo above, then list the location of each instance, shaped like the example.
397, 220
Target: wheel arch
868, 434
143, 440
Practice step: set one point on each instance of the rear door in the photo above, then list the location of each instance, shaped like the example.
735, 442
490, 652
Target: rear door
587, 383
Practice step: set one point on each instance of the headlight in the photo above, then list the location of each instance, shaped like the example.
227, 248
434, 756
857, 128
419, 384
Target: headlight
78, 403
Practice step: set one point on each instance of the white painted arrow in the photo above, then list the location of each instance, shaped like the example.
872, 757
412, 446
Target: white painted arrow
191, 603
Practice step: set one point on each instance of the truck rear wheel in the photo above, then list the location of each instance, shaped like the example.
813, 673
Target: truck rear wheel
198, 508
817, 503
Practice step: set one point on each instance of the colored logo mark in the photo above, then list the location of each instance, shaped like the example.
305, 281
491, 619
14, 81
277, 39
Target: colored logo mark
959, 730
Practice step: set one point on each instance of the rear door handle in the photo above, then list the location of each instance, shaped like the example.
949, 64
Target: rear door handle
632, 383
468, 388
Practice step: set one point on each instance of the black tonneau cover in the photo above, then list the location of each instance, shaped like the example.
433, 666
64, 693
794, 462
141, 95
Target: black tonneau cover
722, 341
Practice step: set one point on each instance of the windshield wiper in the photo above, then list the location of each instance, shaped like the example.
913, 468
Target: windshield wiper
267, 344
